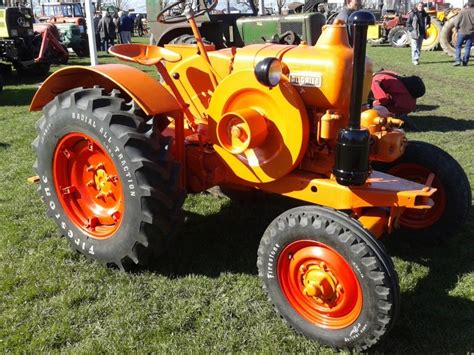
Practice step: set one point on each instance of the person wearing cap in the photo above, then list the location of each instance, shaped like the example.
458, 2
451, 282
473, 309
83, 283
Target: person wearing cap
464, 24
417, 23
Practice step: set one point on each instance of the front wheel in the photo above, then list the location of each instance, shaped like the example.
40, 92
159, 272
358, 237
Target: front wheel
452, 200
112, 191
328, 277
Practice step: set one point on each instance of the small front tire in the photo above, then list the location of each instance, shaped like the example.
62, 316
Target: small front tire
328, 278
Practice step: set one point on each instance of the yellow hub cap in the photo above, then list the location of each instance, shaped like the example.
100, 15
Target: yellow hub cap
319, 283
101, 179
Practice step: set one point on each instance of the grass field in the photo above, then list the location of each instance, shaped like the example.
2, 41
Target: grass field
204, 295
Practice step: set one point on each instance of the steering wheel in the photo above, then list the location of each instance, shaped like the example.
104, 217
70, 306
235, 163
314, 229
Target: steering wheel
182, 18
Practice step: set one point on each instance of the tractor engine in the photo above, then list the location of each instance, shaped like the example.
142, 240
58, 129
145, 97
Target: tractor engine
309, 119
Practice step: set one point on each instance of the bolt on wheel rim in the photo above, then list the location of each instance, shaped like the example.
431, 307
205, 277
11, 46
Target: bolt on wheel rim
88, 185
319, 284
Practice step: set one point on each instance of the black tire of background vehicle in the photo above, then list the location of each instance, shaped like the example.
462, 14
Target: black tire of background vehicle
367, 258
399, 37
81, 49
1, 83
431, 44
448, 174
148, 175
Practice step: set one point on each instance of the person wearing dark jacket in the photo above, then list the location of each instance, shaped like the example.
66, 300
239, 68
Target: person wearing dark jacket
350, 7
106, 29
126, 27
417, 23
464, 24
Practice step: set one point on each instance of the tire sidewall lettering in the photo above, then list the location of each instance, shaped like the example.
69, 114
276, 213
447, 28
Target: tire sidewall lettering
65, 122
349, 335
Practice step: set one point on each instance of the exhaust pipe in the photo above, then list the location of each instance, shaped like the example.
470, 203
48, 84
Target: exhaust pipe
352, 145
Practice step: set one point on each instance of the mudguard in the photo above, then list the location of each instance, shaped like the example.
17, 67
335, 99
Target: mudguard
146, 91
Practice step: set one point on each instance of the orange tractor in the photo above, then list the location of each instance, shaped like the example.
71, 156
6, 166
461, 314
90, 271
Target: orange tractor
117, 150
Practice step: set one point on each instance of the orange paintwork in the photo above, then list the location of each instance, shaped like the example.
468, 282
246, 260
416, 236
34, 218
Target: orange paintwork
284, 113
91, 190
375, 220
135, 84
229, 128
389, 143
242, 129
319, 284
381, 190
144, 54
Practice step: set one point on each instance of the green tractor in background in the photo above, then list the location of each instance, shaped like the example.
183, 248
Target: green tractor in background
70, 20
233, 23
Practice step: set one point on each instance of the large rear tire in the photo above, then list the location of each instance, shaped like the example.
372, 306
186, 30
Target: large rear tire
328, 278
112, 190
448, 38
452, 199
433, 35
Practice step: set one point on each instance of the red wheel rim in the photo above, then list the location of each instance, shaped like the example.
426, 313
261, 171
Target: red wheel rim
421, 219
319, 284
88, 185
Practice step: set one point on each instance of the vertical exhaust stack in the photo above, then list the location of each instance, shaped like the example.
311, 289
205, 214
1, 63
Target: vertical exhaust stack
352, 146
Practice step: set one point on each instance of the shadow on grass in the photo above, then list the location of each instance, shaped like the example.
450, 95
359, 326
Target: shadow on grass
441, 123
426, 107
431, 320
4, 146
223, 242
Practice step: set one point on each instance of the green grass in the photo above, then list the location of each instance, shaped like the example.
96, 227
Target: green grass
204, 294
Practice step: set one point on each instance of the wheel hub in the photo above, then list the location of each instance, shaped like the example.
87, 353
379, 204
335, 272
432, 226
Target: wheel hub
90, 190
319, 283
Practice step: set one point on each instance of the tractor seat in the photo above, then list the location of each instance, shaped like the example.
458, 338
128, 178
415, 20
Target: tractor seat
145, 54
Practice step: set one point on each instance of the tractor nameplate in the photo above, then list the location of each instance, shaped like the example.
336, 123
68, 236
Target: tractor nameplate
306, 79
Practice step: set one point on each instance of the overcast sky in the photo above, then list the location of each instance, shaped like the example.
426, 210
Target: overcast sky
138, 5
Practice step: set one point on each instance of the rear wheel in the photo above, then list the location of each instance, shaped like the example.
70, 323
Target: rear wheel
399, 37
452, 200
448, 38
433, 34
112, 191
328, 277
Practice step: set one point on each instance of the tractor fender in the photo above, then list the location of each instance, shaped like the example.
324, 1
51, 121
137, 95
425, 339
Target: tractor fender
152, 97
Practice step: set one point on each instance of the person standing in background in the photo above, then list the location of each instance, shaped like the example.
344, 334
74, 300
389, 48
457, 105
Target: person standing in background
97, 18
464, 24
126, 27
417, 23
106, 29
117, 26
350, 7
